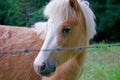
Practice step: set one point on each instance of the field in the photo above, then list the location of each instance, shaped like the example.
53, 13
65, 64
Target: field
102, 64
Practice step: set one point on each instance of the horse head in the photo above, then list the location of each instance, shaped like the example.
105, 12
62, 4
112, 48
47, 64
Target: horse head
70, 23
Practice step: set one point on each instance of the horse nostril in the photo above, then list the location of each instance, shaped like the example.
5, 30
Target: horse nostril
46, 68
43, 67
53, 69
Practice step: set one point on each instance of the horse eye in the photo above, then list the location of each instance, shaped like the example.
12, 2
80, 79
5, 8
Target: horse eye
66, 30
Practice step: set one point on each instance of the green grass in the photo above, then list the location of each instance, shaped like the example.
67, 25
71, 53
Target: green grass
102, 64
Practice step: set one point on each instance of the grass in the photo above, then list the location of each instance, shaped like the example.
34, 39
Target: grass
102, 64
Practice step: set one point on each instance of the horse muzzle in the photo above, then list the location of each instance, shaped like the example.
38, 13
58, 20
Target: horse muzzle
46, 68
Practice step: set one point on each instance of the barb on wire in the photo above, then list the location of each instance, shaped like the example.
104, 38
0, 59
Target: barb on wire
27, 50
81, 47
24, 50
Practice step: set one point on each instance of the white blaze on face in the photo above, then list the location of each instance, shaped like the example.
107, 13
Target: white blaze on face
49, 43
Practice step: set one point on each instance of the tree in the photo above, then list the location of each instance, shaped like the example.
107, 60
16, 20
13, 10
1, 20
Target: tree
21, 12
108, 19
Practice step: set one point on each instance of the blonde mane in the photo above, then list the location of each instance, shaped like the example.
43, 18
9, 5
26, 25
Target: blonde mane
41, 29
59, 10
89, 18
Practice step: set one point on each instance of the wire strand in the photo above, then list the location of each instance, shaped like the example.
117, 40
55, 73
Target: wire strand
27, 50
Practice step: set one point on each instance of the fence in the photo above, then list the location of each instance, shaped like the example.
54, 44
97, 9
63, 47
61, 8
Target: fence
27, 50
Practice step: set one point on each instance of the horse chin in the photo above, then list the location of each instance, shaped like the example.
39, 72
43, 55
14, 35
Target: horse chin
46, 75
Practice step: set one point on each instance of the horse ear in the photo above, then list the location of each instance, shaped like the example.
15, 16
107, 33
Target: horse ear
74, 4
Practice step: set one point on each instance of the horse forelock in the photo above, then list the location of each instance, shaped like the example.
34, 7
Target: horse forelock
58, 10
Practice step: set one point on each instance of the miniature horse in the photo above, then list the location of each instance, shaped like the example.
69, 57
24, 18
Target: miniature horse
70, 23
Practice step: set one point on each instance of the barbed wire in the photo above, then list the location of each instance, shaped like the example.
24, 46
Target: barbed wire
27, 50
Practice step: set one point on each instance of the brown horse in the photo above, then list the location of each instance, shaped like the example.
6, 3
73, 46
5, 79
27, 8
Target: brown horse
70, 23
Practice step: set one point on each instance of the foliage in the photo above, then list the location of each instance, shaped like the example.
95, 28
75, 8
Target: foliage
21, 12
108, 19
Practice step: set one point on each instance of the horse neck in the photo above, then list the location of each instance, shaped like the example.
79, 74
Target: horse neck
73, 68
70, 70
